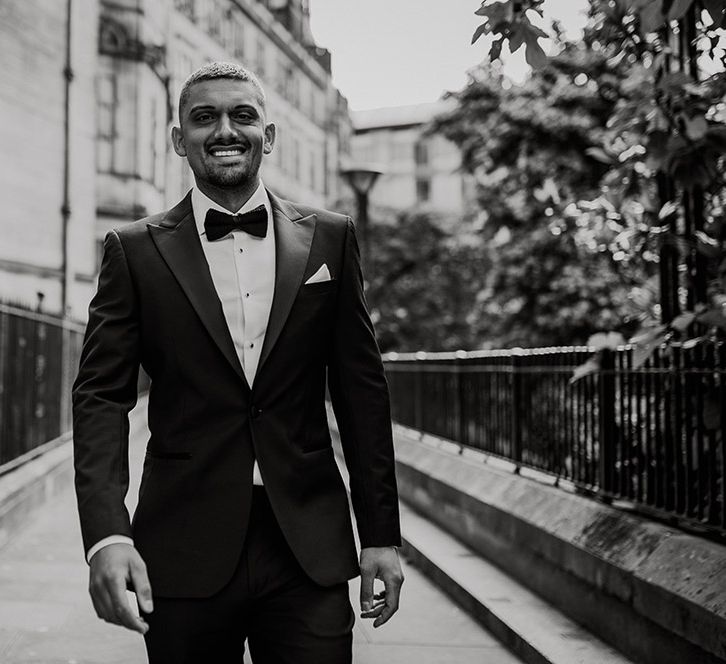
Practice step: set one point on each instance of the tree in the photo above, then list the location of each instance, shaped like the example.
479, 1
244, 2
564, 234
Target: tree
422, 275
662, 151
533, 151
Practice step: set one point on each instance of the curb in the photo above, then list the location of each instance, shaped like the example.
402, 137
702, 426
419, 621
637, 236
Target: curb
33, 484
47, 473
528, 626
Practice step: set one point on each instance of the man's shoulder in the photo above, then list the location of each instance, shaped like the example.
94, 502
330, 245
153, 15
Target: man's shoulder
133, 228
321, 213
169, 217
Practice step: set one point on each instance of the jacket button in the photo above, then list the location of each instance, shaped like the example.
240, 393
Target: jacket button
255, 412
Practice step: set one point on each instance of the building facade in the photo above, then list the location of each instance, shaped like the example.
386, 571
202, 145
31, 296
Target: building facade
47, 227
420, 171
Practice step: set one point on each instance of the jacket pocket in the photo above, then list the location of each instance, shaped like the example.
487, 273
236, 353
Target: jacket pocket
319, 287
179, 456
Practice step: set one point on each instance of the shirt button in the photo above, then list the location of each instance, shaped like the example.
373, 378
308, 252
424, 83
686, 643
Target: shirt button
252, 345
247, 294
241, 251
255, 412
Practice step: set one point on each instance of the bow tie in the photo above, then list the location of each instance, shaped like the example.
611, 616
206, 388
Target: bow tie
218, 224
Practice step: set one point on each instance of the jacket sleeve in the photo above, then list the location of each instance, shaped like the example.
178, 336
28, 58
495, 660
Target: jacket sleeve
359, 395
104, 392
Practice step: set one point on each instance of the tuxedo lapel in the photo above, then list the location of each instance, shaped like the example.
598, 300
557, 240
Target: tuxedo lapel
293, 238
177, 240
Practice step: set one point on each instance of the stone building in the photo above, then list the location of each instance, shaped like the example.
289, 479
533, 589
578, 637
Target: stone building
47, 227
123, 73
420, 171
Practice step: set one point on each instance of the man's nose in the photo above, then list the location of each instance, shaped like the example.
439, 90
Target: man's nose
224, 128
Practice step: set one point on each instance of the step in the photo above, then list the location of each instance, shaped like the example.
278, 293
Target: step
530, 627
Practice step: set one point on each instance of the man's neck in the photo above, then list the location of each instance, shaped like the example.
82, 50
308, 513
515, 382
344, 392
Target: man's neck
231, 199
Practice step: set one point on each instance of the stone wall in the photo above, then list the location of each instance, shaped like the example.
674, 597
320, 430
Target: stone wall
656, 593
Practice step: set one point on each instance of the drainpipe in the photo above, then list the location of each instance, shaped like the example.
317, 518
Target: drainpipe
66, 205
66, 375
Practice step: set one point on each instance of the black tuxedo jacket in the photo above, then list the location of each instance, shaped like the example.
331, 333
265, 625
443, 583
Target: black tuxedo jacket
156, 306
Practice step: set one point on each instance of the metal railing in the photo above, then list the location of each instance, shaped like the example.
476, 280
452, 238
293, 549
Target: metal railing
652, 436
38, 359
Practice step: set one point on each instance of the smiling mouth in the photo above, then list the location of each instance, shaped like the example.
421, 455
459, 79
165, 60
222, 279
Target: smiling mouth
226, 152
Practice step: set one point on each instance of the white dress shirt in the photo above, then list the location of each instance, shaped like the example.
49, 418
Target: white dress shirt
243, 272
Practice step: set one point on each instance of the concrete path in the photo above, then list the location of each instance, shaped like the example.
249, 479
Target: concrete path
46, 616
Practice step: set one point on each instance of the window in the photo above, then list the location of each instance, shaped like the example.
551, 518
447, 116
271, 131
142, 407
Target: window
280, 76
260, 62
154, 129
423, 190
214, 20
421, 153
106, 102
313, 171
313, 104
296, 159
292, 87
238, 39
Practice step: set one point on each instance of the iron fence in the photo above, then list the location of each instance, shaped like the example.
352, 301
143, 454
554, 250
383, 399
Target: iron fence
652, 436
38, 357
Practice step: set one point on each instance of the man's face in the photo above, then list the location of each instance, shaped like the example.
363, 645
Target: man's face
223, 133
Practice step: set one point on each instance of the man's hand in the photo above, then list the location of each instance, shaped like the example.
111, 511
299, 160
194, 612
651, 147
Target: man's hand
111, 568
380, 563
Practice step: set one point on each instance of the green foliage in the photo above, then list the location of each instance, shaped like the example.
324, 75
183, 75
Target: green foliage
665, 124
508, 20
554, 274
422, 279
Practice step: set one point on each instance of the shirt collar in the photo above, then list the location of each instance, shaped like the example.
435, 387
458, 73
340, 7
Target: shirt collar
201, 203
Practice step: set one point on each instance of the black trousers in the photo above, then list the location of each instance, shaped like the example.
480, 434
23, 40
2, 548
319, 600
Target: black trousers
269, 602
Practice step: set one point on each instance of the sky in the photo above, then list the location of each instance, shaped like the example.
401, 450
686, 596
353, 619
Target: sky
398, 52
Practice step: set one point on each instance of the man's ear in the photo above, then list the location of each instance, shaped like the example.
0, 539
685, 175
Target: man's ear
270, 133
177, 139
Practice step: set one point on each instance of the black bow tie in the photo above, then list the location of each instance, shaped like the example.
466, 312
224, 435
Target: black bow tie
218, 224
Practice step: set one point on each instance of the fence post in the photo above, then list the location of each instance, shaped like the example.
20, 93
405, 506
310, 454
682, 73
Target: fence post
418, 390
606, 421
63, 412
517, 394
461, 412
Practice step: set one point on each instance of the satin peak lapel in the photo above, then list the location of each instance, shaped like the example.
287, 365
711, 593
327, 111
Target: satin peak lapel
293, 238
177, 240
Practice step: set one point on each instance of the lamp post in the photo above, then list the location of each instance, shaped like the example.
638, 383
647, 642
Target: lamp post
361, 178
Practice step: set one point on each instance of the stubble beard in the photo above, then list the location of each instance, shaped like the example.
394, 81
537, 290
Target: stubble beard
227, 177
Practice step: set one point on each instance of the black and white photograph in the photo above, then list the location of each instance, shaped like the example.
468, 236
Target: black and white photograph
363, 332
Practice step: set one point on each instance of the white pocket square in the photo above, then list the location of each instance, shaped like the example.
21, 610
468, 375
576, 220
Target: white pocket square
323, 274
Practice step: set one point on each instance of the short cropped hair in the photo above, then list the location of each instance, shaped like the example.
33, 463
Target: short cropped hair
219, 70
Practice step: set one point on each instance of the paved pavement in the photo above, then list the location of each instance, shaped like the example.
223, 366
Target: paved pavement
46, 616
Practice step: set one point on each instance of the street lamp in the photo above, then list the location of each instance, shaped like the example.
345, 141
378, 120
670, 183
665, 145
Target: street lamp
361, 178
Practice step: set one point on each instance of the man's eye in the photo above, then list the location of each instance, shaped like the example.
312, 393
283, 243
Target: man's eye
203, 117
244, 116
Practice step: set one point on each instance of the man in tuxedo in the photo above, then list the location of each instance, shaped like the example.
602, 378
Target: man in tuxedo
238, 305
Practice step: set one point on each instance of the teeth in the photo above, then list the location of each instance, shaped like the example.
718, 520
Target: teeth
226, 153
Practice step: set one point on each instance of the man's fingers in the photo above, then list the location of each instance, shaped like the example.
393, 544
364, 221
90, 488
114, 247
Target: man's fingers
122, 609
142, 587
375, 611
387, 612
393, 593
367, 576
111, 568
101, 602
